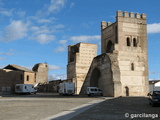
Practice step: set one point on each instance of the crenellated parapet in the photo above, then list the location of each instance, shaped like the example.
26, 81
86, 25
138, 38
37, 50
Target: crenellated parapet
130, 15
105, 24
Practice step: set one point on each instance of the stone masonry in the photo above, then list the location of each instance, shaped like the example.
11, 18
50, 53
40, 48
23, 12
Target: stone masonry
122, 67
80, 57
41, 72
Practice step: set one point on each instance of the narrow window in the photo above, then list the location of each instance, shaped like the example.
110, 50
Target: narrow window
27, 77
134, 42
21, 78
127, 90
128, 41
132, 66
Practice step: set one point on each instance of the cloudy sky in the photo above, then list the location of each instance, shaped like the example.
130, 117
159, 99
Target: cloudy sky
38, 31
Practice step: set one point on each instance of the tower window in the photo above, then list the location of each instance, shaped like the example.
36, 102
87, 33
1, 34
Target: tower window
132, 66
134, 42
110, 47
128, 41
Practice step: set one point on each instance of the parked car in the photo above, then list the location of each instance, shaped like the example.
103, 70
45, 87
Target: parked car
154, 98
92, 91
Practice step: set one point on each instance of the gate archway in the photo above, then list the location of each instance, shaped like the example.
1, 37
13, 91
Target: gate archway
95, 77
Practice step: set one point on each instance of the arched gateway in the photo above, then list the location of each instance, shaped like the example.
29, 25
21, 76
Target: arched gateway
122, 67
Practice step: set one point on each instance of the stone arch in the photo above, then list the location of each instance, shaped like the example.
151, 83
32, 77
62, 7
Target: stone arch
110, 47
95, 76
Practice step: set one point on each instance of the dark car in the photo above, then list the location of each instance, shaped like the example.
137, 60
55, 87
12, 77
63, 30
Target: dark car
154, 98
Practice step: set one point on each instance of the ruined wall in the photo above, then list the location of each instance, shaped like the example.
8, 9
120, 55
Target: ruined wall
80, 57
41, 72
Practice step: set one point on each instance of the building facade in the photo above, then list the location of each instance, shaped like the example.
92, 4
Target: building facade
80, 57
122, 67
14, 74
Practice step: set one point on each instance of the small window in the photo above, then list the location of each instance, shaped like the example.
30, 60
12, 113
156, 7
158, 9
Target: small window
132, 66
3, 89
27, 77
21, 77
134, 42
128, 41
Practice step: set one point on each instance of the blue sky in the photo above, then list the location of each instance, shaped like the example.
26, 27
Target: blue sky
38, 31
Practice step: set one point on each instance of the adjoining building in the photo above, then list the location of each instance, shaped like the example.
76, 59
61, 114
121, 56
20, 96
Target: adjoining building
122, 67
154, 85
15, 74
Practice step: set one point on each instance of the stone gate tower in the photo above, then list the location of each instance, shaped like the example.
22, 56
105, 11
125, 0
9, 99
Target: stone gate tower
122, 68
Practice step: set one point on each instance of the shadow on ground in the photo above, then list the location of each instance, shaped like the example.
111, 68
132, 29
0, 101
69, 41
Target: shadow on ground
122, 108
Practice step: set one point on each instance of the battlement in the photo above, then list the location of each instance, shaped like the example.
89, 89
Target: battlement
131, 15
105, 24
125, 16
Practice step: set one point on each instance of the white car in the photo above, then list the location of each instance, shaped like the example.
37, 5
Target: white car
92, 91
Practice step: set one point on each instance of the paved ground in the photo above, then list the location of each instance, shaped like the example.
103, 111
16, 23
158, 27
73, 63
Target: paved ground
38, 107
51, 106
122, 108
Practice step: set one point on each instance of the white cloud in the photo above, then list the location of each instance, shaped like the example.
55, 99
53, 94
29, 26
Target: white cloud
41, 29
55, 6
44, 38
153, 28
6, 13
63, 42
15, 30
46, 29
6, 54
85, 38
43, 20
58, 26
61, 48
57, 77
54, 67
